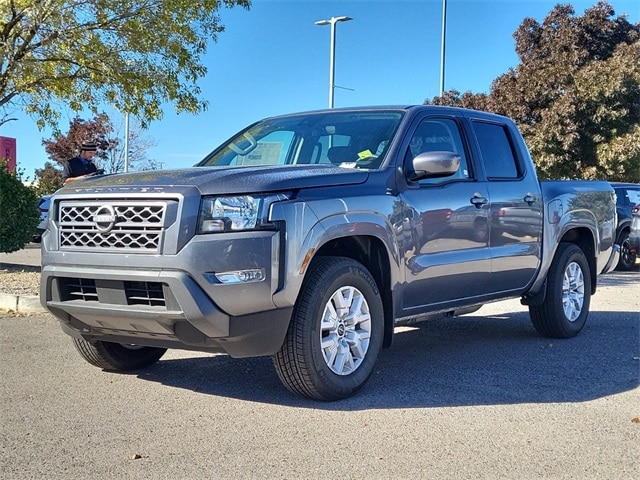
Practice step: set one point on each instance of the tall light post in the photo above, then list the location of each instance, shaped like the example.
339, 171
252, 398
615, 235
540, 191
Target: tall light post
442, 45
126, 142
332, 52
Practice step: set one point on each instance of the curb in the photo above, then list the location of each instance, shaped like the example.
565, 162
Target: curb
21, 303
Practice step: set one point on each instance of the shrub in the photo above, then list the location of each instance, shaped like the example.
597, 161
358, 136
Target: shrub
19, 216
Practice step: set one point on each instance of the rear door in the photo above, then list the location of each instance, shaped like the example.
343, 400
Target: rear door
515, 217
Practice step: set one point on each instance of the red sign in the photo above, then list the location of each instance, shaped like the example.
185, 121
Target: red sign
8, 150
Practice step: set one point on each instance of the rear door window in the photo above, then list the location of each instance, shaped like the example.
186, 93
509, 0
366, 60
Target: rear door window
497, 151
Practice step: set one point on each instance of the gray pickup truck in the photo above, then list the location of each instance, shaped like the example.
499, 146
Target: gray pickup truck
310, 237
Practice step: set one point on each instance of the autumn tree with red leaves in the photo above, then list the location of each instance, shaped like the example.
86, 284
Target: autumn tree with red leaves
575, 94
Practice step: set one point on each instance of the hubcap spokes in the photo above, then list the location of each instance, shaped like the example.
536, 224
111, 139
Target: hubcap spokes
345, 330
573, 291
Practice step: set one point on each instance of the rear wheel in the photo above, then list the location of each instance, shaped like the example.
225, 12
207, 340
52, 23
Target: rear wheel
564, 311
335, 333
627, 257
116, 356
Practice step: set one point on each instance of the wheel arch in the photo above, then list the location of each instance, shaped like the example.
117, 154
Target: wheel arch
624, 227
371, 252
584, 239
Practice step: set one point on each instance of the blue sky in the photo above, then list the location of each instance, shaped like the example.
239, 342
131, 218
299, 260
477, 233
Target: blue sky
273, 59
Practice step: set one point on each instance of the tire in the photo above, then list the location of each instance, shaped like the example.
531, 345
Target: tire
627, 257
564, 311
117, 357
329, 354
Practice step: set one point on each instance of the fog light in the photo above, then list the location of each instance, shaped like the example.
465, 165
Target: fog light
215, 225
251, 275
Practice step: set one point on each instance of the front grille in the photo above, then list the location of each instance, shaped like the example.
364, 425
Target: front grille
112, 225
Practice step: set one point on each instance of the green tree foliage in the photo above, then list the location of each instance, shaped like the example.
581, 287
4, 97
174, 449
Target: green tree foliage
19, 216
575, 93
48, 179
134, 55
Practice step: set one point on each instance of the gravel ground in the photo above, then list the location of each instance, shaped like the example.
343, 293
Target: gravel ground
19, 279
20, 271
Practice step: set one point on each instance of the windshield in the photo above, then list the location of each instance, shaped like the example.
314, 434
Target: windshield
347, 139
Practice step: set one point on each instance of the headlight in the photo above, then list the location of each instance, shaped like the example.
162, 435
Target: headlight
241, 212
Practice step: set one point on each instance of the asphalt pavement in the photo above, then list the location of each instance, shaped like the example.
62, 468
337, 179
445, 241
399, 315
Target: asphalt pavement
477, 397
28, 256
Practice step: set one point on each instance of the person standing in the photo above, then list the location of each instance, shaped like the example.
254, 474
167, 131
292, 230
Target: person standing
81, 166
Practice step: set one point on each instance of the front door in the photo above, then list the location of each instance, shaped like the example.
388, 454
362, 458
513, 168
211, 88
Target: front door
447, 257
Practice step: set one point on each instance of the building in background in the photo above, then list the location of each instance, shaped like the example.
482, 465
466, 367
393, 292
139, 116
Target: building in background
8, 150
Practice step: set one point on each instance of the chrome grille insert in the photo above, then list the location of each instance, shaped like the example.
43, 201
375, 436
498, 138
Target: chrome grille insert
135, 225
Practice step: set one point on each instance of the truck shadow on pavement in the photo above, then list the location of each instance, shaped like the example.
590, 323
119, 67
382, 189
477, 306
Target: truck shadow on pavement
620, 279
472, 360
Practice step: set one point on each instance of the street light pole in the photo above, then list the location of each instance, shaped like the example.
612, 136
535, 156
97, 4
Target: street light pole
442, 45
332, 52
126, 142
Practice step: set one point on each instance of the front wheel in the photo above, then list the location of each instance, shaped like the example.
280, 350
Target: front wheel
116, 356
335, 333
566, 306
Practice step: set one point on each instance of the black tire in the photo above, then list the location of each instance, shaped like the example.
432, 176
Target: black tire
117, 357
627, 258
306, 367
564, 311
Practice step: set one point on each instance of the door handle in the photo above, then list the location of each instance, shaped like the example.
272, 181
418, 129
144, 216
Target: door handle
478, 200
529, 199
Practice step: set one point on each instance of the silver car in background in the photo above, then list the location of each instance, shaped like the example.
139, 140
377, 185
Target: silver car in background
43, 208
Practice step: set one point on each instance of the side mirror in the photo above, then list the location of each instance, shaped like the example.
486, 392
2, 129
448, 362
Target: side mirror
434, 164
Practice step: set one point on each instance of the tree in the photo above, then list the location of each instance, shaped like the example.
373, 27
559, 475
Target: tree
47, 179
575, 93
63, 147
110, 154
138, 145
134, 55
19, 216
453, 98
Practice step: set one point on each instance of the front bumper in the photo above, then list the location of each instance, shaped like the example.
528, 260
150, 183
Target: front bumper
171, 301
155, 308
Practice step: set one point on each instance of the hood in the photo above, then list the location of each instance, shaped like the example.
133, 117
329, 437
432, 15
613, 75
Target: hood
232, 180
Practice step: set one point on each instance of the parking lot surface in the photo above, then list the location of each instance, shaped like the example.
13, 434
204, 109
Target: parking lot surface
481, 396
